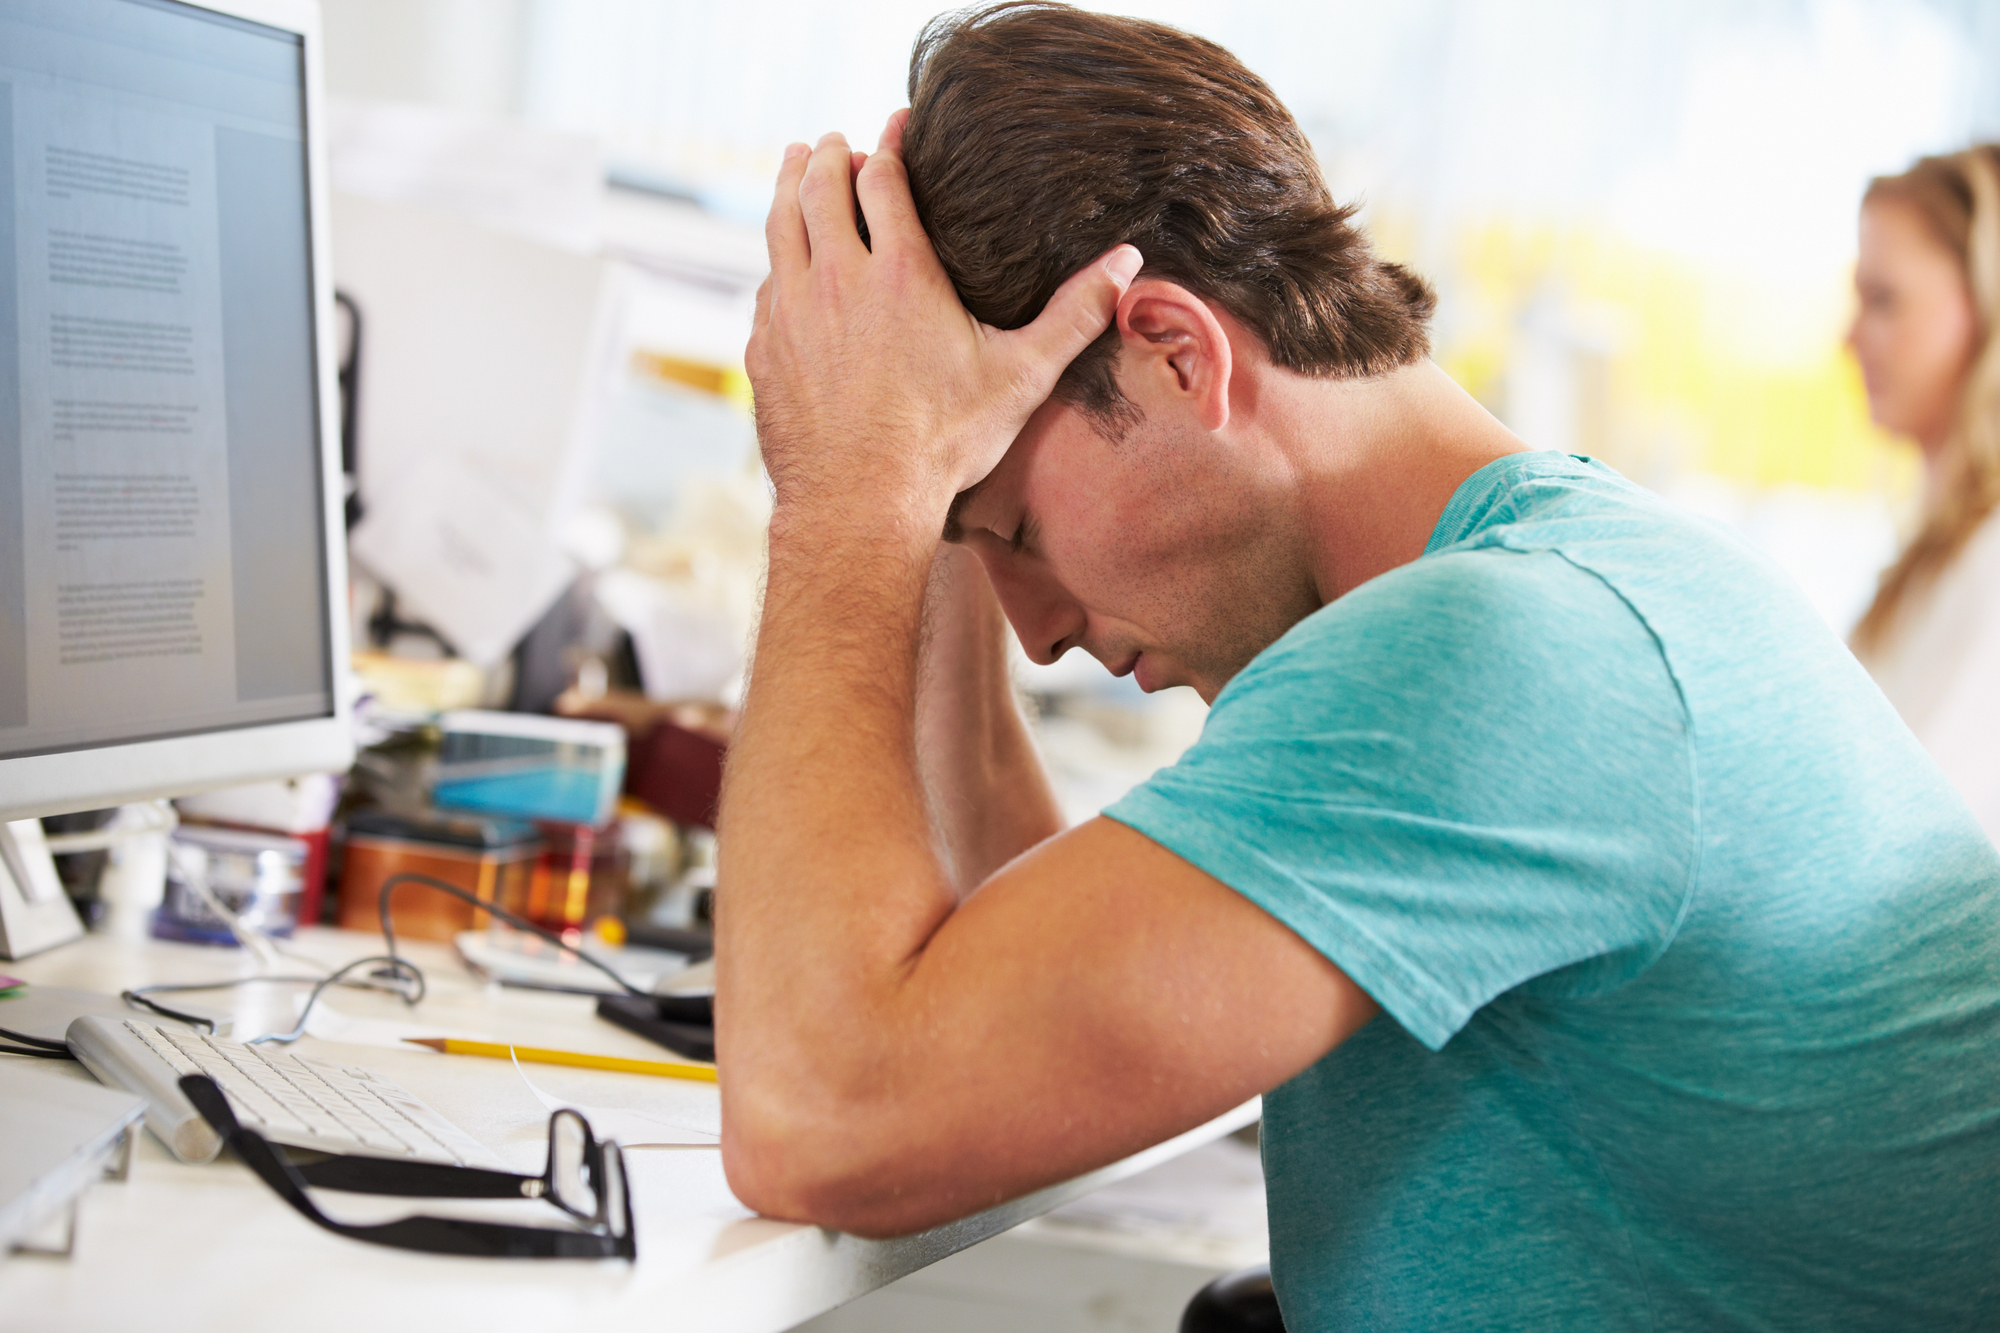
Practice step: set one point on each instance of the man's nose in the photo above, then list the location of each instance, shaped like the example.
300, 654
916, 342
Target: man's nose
1048, 621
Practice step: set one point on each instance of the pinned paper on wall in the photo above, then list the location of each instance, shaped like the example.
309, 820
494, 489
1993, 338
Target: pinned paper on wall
464, 557
486, 365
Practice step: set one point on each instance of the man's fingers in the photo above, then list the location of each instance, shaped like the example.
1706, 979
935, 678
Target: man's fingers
826, 199
1081, 309
884, 188
892, 133
785, 228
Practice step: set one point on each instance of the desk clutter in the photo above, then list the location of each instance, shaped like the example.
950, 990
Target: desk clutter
510, 838
299, 1123
503, 835
541, 815
529, 903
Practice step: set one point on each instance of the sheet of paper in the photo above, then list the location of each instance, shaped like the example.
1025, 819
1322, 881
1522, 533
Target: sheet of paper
329, 1024
632, 1129
1205, 1207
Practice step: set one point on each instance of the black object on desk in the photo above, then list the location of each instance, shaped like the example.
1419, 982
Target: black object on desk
684, 1024
697, 942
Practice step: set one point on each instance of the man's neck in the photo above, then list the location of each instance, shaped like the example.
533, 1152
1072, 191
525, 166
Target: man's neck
1378, 460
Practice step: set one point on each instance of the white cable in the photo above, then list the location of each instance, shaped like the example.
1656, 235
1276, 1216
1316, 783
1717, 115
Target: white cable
195, 876
163, 820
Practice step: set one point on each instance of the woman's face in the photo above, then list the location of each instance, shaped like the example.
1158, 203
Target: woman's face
1915, 331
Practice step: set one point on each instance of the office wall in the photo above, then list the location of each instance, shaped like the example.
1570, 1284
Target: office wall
465, 54
1639, 216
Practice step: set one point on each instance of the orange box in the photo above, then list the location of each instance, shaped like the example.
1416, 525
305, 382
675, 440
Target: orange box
492, 859
582, 875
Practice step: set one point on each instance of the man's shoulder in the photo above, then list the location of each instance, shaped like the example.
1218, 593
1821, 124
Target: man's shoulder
1539, 497
1560, 569
1471, 612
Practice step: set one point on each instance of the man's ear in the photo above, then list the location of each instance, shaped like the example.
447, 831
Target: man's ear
1175, 347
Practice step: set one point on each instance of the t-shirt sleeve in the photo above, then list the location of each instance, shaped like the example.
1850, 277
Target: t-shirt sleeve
1468, 775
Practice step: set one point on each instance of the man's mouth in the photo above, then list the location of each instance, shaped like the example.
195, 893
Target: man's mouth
1138, 668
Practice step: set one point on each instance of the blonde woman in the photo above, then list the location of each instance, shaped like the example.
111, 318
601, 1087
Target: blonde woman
1928, 282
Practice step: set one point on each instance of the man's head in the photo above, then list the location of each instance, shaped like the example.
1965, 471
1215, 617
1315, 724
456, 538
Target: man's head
1040, 136
1126, 520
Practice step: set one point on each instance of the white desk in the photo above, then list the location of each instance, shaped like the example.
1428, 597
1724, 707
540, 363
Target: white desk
209, 1249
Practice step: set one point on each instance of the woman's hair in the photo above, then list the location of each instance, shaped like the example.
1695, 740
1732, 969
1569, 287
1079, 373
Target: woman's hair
1958, 196
1040, 136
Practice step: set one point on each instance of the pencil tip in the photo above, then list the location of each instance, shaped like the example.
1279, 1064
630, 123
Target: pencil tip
435, 1043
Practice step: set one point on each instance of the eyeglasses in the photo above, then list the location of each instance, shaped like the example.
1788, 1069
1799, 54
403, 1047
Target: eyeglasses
584, 1178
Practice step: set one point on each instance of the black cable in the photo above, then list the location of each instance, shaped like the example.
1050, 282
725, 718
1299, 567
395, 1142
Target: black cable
39, 1047
519, 923
27, 1039
140, 995
395, 962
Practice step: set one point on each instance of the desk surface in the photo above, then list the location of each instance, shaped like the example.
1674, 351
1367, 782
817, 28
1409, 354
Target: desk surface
208, 1248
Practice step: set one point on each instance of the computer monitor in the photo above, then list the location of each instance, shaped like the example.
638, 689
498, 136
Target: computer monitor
172, 575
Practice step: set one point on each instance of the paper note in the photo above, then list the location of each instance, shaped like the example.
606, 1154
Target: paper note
329, 1024
631, 1129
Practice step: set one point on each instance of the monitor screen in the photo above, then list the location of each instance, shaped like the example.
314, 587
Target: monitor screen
162, 552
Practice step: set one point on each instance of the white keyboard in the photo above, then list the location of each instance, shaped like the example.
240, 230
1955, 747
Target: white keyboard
286, 1098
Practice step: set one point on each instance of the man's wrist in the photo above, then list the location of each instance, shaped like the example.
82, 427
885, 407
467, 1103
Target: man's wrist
886, 519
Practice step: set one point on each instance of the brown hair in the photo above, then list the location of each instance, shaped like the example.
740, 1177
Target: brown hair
1958, 196
1040, 136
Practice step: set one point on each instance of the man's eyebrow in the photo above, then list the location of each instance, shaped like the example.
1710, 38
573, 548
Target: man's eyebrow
1029, 535
954, 530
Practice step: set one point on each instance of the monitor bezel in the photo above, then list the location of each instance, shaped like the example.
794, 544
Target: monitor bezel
106, 775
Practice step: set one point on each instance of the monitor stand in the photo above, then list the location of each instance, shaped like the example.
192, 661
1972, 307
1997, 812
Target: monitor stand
35, 913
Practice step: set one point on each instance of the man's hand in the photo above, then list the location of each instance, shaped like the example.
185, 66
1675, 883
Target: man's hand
877, 393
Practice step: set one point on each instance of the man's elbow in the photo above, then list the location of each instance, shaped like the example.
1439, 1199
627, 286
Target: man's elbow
826, 1172
774, 1174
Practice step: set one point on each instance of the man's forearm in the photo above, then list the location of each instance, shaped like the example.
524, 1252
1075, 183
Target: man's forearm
989, 793
830, 877
878, 399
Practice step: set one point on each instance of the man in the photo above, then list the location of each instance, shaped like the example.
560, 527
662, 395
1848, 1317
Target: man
1608, 954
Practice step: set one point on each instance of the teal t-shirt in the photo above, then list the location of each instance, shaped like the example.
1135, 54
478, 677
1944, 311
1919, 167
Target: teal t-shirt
1689, 957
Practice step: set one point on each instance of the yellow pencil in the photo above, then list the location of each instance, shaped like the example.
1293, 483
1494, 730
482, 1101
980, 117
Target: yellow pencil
535, 1055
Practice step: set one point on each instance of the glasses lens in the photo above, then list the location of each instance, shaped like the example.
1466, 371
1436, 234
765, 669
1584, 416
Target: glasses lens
614, 1186
571, 1186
